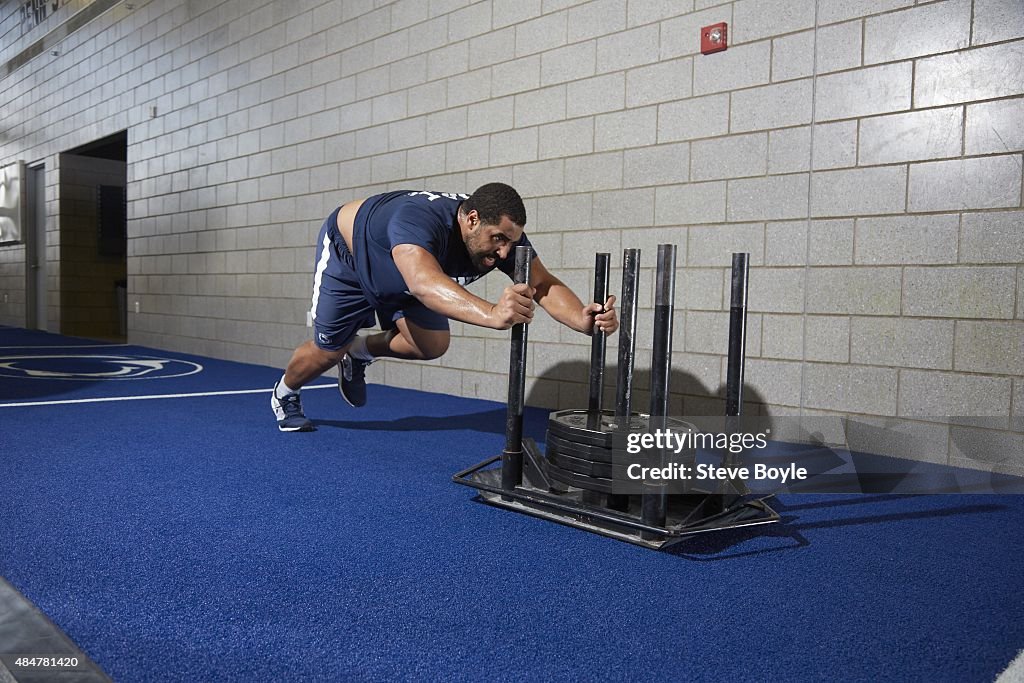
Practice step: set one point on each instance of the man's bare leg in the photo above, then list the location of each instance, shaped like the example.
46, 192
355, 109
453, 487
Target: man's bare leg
309, 362
408, 341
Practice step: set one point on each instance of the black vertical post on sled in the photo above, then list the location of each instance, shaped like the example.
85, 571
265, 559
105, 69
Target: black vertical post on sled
627, 354
627, 336
737, 335
512, 456
598, 345
736, 360
653, 503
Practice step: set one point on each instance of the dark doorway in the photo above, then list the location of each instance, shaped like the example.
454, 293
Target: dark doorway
92, 215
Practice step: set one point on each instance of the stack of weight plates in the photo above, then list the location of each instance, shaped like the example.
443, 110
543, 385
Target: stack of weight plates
587, 458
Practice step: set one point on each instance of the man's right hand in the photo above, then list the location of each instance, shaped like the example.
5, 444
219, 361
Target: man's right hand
515, 306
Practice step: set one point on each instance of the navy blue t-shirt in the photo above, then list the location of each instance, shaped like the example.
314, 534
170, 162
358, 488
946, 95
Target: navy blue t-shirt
426, 219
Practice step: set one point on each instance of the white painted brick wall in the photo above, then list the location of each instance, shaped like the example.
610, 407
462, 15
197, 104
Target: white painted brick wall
756, 19
996, 20
698, 117
907, 239
793, 56
980, 183
834, 145
863, 92
959, 292
872, 190
772, 106
976, 74
771, 197
925, 30
993, 237
994, 127
914, 136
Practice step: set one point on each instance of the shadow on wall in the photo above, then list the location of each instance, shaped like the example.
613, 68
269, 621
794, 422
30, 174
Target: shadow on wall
564, 386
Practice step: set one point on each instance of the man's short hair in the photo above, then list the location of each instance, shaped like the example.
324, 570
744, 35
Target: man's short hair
494, 200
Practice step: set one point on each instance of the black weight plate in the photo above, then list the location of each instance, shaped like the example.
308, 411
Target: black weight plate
581, 451
569, 464
579, 466
571, 425
580, 481
597, 446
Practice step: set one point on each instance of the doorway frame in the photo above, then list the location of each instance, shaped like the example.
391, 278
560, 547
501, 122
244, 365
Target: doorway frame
36, 289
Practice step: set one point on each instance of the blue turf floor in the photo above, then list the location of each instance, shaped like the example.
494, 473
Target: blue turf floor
188, 539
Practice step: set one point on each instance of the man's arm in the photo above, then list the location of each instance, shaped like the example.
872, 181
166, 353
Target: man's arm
563, 305
428, 283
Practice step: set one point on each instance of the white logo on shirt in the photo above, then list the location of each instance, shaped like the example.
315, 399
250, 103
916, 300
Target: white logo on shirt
456, 196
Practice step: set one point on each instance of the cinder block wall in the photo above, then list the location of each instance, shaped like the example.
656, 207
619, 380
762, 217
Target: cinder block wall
867, 153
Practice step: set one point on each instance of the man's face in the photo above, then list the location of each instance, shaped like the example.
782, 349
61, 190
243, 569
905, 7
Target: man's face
487, 244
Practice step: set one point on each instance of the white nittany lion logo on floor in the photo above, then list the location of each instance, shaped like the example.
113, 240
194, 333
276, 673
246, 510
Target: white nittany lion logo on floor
91, 367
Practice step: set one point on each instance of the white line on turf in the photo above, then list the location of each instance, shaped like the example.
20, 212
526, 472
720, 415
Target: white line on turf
1014, 673
64, 346
152, 396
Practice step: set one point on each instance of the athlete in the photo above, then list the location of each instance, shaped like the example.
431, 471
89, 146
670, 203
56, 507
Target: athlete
405, 258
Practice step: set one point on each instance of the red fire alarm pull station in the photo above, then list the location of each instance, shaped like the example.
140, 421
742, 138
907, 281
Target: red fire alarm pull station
714, 38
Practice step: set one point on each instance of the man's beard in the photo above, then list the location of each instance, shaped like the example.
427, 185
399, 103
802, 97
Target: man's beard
477, 257
480, 265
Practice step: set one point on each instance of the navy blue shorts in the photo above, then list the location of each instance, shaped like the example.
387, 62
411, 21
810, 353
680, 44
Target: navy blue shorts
340, 309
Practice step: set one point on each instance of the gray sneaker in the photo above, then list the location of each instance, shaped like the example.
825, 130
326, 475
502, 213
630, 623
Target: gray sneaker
289, 412
352, 380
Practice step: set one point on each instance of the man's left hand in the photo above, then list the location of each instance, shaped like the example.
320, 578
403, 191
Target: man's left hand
603, 317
